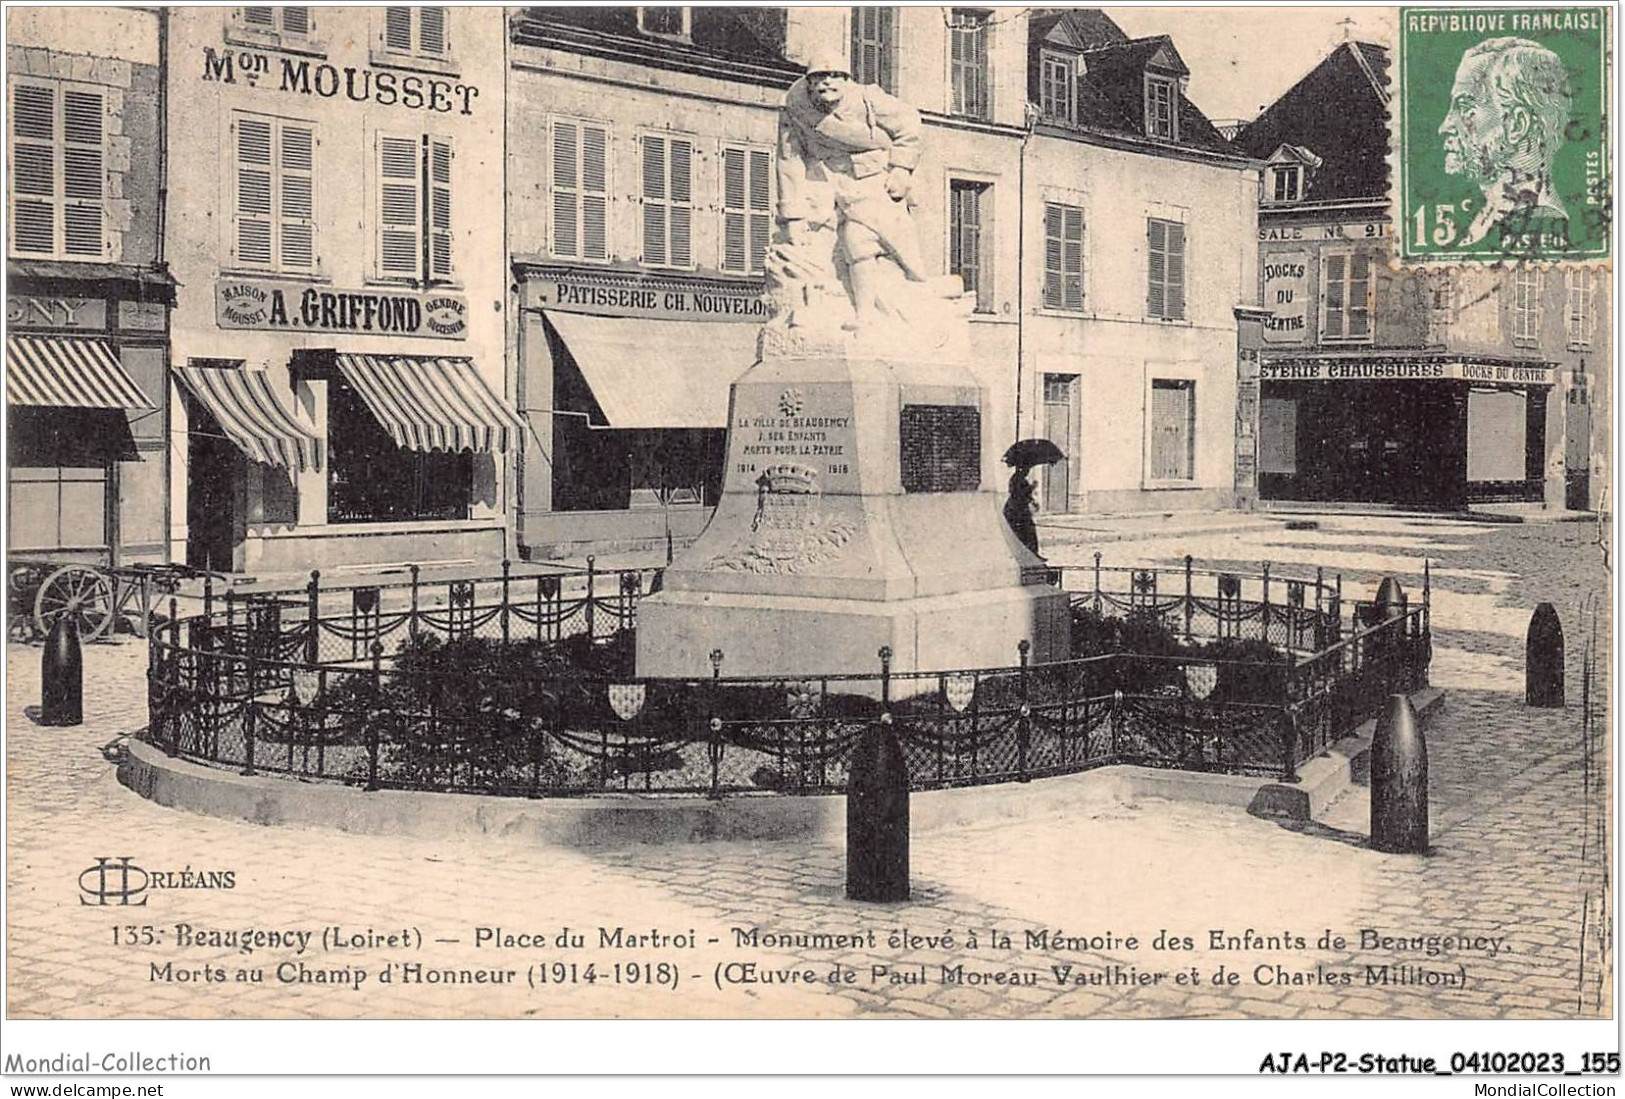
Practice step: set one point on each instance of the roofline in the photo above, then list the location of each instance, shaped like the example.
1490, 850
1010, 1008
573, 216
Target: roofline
1091, 136
1370, 74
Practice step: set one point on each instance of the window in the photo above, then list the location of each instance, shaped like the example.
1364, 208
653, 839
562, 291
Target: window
580, 190
1165, 245
874, 47
668, 201
747, 209
967, 62
1063, 256
1581, 290
1286, 183
58, 170
1345, 296
275, 189
970, 207
1173, 430
416, 33
414, 207
1058, 89
372, 480
1160, 116
1526, 307
671, 22
271, 26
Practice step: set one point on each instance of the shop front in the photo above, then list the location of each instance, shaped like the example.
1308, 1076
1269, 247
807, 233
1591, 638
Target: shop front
1422, 429
625, 383
343, 443
85, 351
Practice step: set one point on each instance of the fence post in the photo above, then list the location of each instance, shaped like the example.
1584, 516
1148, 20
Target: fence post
1097, 582
1116, 718
1289, 746
313, 619
372, 724
1264, 608
248, 736
1190, 607
1024, 726
506, 567
412, 619
885, 678
713, 725
231, 621
591, 585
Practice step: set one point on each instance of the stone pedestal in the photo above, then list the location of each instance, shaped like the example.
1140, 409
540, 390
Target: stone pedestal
860, 509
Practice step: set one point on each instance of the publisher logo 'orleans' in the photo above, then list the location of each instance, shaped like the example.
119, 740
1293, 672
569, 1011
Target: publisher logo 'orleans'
117, 880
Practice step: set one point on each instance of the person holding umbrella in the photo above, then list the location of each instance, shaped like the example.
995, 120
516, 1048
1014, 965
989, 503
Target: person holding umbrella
1018, 508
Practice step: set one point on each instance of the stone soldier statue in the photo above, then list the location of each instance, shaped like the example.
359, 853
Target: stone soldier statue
847, 155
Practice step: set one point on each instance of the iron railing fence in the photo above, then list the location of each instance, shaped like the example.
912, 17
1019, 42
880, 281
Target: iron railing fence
306, 688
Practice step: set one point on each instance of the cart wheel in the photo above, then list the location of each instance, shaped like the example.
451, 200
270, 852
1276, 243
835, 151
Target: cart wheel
80, 591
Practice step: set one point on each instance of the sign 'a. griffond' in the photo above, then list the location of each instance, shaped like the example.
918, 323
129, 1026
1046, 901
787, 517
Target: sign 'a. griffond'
290, 307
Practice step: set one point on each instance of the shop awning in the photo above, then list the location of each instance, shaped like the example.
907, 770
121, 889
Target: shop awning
252, 416
658, 374
432, 403
57, 372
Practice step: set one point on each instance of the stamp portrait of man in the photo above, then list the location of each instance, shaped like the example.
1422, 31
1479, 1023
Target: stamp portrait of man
1509, 109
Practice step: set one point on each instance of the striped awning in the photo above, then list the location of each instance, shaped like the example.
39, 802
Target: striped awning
252, 416
57, 372
432, 403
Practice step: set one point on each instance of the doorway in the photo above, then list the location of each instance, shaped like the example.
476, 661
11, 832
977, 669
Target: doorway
1577, 446
212, 474
1060, 391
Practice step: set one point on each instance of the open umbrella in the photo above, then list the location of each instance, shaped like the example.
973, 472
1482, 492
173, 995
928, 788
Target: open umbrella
1032, 452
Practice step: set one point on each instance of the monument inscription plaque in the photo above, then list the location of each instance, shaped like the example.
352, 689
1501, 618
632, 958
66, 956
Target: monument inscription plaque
940, 448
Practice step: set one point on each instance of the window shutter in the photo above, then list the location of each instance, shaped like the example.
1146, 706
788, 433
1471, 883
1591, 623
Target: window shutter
297, 202
1176, 271
1054, 272
1156, 250
260, 17
33, 167
1332, 289
440, 154
400, 244
296, 22
254, 213
398, 29
83, 172
682, 202
734, 227
566, 189
761, 206
594, 192
432, 30
1072, 258
654, 200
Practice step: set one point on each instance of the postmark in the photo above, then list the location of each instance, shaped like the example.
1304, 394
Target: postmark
1502, 143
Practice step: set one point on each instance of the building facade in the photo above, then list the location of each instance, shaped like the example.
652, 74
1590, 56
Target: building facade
1139, 245
642, 195
88, 296
340, 389
1442, 386
1103, 227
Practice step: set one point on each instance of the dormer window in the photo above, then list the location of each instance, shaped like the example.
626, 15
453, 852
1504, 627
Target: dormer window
1161, 118
1288, 173
666, 22
1286, 183
1058, 88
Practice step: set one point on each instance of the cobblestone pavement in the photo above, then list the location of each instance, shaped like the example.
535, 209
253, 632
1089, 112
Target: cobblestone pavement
1492, 922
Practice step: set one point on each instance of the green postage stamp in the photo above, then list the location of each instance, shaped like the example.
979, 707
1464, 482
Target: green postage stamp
1502, 146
